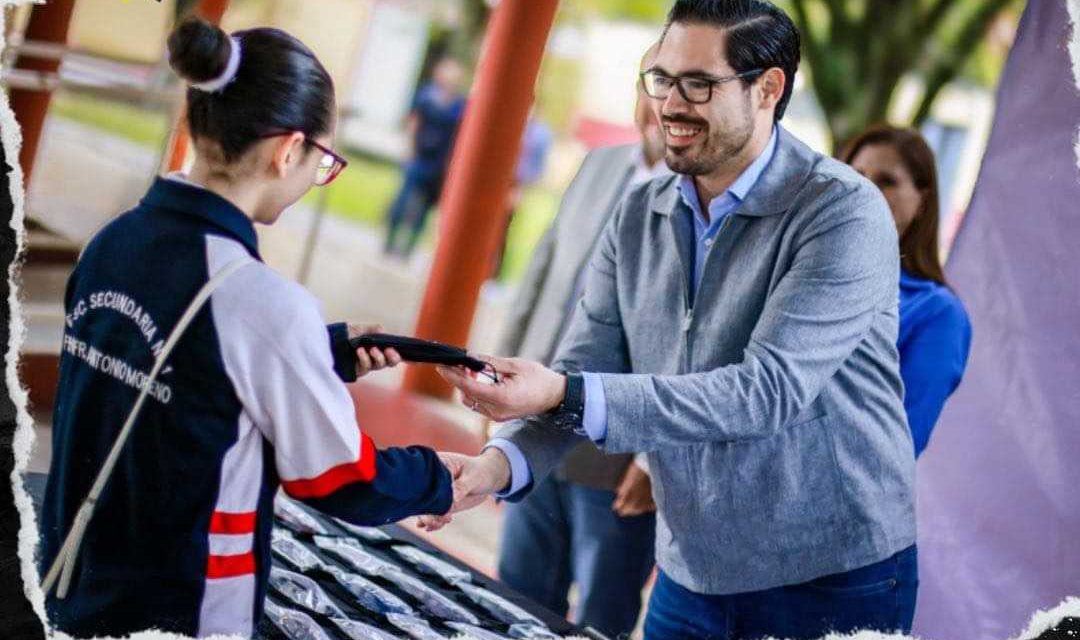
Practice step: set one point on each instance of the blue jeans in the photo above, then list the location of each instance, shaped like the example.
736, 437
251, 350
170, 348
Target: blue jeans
563, 532
879, 597
420, 189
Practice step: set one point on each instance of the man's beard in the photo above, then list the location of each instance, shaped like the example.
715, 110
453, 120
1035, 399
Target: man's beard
720, 147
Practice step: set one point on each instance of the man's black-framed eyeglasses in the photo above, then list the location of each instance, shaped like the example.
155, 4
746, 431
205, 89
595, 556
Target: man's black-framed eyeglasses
330, 165
694, 88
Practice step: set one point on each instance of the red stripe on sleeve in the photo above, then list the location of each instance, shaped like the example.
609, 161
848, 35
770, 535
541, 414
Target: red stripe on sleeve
230, 566
232, 523
362, 470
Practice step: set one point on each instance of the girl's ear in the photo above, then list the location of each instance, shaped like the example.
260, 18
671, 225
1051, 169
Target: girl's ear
286, 152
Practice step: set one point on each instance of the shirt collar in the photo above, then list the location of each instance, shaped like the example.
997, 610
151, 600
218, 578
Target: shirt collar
176, 193
738, 189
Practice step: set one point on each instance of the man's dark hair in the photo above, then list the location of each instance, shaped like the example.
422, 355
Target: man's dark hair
759, 36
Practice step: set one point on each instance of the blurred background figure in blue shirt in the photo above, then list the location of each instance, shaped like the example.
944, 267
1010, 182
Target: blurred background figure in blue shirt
535, 145
432, 126
534, 151
935, 334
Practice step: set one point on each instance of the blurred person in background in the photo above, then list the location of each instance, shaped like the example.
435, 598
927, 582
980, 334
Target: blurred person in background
935, 333
591, 522
431, 129
535, 148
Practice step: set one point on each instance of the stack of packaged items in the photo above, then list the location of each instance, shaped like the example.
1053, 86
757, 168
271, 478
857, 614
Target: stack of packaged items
333, 580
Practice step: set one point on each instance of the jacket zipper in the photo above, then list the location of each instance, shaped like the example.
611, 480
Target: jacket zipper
688, 315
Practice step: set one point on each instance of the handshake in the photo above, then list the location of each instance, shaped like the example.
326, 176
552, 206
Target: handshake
524, 388
474, 479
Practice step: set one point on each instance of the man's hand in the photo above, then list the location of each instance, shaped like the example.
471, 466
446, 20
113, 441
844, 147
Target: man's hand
368, 360
475, 478
525, 388
634, 495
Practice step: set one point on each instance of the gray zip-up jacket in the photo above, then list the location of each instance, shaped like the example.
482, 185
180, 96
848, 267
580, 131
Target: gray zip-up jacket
772, 411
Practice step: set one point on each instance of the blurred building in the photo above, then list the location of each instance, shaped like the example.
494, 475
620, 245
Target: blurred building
374, 49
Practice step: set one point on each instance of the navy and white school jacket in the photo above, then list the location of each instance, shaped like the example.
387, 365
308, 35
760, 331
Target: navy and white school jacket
252, 398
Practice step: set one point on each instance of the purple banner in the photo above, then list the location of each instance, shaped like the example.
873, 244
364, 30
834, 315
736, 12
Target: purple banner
999, 485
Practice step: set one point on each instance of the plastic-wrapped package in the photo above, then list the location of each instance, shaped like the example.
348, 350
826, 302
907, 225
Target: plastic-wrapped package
473, 632
296, 625
289, 548
527, 630
416, 628
430, 564
355, 555
356, 630
295, 516
303, 591
370, 534
370, 595
431, 600
500, 607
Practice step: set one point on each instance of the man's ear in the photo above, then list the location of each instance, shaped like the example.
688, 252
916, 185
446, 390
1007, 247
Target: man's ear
287, 151
771, 85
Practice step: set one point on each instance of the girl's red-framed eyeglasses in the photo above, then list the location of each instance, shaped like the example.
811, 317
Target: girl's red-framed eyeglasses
330, 165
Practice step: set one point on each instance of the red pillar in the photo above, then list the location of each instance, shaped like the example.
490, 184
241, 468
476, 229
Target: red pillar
48, 24
211, 11
474, 201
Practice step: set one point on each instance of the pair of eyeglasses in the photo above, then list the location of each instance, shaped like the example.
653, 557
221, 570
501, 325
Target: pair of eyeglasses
694, 88
330, 165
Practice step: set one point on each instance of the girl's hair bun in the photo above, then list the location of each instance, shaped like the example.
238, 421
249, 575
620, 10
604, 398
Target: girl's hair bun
198, 50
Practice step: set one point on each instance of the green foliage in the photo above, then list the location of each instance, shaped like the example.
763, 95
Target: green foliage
649, 11
532, 218
122, 119
558, 88
857, 52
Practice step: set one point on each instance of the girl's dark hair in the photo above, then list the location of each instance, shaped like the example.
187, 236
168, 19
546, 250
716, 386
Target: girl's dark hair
919, 244
759, 36
279, 85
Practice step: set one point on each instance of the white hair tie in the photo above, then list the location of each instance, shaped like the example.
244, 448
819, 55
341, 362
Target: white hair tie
228, 75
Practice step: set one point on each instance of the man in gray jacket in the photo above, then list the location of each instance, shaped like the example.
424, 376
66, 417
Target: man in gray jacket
739, 324
593, 517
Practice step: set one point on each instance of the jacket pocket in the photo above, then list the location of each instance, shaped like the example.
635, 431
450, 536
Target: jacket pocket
673, 483
788, 485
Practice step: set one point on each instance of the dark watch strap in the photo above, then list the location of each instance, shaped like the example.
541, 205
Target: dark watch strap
570, 413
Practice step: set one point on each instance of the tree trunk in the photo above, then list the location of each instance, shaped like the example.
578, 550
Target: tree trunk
857, 62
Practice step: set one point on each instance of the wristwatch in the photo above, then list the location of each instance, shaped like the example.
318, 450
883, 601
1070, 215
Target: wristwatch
570, 414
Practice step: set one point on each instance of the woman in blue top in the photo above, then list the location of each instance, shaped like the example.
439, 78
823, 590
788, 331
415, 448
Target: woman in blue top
935, 334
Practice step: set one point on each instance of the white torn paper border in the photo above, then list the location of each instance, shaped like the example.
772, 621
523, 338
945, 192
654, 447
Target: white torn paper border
1044, 621
23, 440
1074, 54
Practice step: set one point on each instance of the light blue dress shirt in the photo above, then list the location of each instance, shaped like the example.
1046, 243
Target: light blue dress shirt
595, 419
